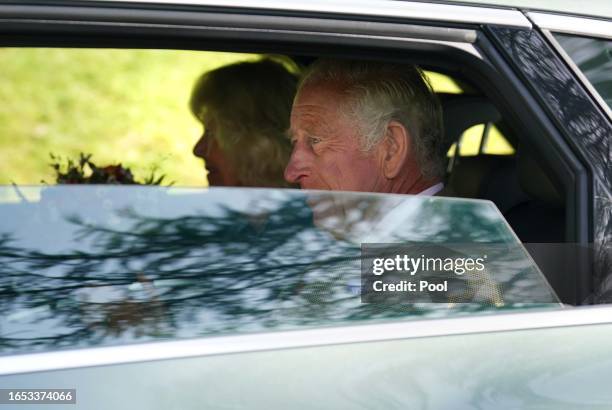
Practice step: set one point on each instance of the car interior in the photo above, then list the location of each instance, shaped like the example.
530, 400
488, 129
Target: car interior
495, 156
516, 183
500, 171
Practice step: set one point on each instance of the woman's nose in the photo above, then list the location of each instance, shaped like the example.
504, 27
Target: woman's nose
199, 148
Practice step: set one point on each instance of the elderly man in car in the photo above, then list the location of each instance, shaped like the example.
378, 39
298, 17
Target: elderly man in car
366, 126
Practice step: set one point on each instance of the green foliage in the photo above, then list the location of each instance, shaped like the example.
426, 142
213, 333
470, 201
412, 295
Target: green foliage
123, 106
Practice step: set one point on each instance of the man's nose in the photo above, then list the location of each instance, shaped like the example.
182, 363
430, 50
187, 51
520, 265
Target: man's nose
299, 164
199, 148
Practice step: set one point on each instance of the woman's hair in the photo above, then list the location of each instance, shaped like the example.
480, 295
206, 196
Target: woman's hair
250, 104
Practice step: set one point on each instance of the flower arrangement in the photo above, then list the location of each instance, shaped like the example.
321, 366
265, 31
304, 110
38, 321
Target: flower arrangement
85, 171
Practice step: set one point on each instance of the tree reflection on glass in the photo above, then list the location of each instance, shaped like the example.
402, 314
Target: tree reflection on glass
130, 267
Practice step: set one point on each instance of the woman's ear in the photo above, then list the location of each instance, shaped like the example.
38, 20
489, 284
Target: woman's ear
396, 146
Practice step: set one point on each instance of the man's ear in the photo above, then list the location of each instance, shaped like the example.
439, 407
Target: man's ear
396, 148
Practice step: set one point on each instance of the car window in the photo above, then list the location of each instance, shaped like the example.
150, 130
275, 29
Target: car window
442, 83
482, 139
109, 107
102, 265
594, 58
103, 243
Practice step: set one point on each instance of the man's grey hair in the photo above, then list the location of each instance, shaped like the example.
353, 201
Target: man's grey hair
382, 92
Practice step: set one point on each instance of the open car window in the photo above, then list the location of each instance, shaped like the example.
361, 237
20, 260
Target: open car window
104, 244
119, 105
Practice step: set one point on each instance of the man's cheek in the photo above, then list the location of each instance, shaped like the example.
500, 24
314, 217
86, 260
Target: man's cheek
332, 176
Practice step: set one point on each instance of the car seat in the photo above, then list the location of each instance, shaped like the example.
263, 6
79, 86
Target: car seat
517, 184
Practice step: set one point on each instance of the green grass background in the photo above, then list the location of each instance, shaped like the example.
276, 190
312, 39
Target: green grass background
122, 106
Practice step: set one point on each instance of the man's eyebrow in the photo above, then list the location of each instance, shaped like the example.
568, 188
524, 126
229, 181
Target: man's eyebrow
310, 130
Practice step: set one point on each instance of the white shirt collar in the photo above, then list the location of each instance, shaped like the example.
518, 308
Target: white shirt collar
432, 190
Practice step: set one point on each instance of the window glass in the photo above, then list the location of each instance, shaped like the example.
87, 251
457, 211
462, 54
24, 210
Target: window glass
92, 256
442, 83
86, 265
471, 139
497, 144
594, 58
472, 142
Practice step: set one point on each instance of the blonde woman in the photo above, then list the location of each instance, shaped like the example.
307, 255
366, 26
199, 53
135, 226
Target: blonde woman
244, 109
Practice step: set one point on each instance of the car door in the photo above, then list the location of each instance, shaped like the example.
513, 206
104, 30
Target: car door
335, 364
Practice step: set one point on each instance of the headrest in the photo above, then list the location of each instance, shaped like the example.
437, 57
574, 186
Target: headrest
462, 112
536, 183
469, 174
492, 177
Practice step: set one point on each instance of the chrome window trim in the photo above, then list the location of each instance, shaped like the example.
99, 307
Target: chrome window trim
199, 19
373, 8
578, 72
98, 356
467, 36
582, 26
468, 48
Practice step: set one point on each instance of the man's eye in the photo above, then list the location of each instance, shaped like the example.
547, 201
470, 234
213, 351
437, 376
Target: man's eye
314, 140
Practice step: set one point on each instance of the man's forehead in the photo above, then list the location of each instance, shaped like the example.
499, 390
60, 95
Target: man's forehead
316, 108
311, 119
